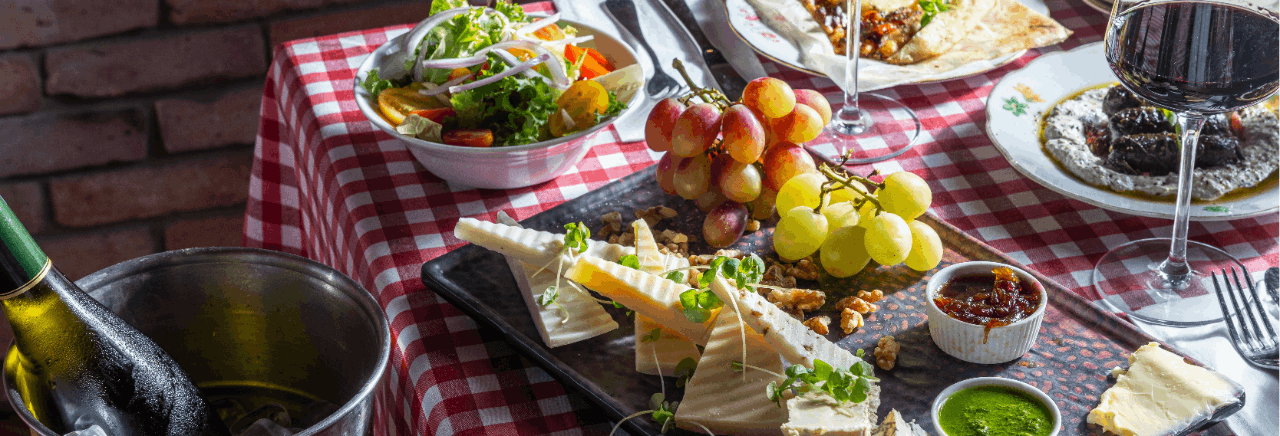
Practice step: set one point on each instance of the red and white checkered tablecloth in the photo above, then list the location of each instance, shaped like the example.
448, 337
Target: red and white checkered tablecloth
329, 186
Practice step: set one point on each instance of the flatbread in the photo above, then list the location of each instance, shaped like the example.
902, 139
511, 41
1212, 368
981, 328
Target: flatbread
943, 32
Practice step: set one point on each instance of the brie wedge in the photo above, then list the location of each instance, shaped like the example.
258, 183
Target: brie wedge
1160, 394
817, 413
586, 318
797, 343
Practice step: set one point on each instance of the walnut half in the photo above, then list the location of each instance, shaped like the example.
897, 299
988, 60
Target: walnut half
887, 352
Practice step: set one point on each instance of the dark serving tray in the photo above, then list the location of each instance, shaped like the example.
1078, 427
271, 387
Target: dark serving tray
1077, 346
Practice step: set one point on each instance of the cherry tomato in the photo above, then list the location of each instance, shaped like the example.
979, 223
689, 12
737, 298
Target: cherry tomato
583, 100
398, 103
469, 137
436, 115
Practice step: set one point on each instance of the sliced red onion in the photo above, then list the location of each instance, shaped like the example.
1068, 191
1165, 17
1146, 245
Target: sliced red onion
453, 63
513, 60
522, 32
444, 86
422, 33
559, 78
565, 41
523, 66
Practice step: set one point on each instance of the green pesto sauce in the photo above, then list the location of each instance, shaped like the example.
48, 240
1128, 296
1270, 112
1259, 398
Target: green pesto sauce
994, 411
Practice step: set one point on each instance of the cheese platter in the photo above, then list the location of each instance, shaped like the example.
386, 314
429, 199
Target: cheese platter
1069, 360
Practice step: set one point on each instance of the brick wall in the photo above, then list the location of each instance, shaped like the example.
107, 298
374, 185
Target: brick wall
127, 126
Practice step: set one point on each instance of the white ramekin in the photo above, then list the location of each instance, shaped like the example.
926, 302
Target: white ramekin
964, 341
995, 381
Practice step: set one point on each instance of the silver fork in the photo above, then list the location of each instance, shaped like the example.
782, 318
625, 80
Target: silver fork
1254, 342
660, 85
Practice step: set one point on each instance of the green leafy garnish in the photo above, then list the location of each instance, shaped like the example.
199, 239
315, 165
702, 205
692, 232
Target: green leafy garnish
843, 384
549, 296
576, 236
375, 85
698, 304
663, 412
630, 261
676, 276
684, 371
931, 9
439, 6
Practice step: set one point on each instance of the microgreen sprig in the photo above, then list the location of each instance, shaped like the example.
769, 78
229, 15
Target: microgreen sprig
843, 384
630, 261
698, 303
576, 236
684, 371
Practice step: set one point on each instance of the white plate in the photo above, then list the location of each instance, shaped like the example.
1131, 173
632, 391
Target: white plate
1056, 76
767, 42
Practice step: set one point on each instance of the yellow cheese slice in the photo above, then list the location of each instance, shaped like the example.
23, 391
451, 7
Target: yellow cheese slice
797, 343
585, 317
661, 356
729, 402
646, 294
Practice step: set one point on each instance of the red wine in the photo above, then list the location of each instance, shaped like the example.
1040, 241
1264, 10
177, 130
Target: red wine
1196, 56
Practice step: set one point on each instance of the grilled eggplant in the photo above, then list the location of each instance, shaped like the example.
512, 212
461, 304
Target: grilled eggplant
1215, 150
1153, 154
1118, 99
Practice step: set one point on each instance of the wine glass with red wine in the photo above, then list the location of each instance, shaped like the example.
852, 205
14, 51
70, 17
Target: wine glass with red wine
1196, 59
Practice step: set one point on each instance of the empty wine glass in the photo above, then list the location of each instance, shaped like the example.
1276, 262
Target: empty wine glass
869, 127
1195, 58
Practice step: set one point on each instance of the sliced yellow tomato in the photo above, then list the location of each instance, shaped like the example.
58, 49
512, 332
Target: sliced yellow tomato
398, 103
583, 100
550, 33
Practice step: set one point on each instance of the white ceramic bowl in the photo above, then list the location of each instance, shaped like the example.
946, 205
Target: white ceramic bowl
496, 167
995, 381
964, 341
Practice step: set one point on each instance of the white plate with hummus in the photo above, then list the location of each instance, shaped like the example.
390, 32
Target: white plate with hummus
769, 42
1017, 109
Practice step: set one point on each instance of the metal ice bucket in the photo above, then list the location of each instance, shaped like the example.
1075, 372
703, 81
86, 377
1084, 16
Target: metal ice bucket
239, 316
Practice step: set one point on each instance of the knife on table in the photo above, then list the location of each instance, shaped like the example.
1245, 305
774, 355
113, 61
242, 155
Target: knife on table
722, 73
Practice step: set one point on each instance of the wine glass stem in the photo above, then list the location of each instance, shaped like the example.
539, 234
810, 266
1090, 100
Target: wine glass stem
850, 117
1189, 125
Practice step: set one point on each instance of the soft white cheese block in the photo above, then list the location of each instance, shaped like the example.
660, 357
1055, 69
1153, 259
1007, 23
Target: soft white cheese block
663, 355
729, 402
796, 342
817, 413
582, 317
1160, 394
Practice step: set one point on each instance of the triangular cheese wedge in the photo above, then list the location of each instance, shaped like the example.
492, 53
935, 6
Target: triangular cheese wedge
729, 402
586, 318
534, 247
797, 343
661, 356
646, 294
895, 425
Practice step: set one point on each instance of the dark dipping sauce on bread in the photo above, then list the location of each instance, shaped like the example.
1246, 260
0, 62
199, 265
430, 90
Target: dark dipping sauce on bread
989, 300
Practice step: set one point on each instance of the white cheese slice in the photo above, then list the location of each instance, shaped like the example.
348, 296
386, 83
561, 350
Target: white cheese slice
729, 402
534, 247
661, 356
586, 318
646, 294
817, 413
1160, 394
797, 343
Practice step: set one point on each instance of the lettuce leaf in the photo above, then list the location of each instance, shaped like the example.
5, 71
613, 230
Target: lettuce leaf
515, 109
375, 84
438, 6
464, 35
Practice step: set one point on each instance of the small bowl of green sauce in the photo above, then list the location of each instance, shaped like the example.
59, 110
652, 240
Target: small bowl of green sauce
993, 406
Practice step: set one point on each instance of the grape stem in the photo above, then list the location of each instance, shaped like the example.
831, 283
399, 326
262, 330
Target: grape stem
709, 95
838, 182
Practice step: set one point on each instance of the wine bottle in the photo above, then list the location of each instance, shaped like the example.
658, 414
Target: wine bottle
79, 364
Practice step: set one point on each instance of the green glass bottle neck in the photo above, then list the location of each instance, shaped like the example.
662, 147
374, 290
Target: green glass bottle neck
22, 263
